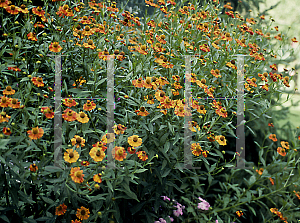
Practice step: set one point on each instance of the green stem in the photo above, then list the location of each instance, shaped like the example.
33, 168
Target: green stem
266, 195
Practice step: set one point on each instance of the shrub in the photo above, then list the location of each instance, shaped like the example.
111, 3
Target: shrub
147, 139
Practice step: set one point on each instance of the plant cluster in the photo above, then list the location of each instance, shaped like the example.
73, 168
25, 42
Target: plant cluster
153, 60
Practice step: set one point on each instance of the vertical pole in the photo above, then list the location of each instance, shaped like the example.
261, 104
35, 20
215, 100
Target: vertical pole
57, 114
110, 109
240, 130
187, 119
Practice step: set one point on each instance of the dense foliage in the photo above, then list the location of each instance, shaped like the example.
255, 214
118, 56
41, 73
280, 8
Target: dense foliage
151, 70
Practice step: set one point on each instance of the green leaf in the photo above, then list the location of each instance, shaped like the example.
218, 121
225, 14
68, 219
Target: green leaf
166, 172
252, 180
3, 217
171, 128
47, 200
166, 147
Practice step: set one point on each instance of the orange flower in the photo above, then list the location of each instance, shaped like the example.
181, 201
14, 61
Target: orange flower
273, 137
297, 194
71, 156
119, 153
271, 180
13, 103
55, 47
260, 171
239, 213
108, 138
196, 149
77, 175
179, 111
89, 105
9, 91
270, 124
281, 151
35, 133
97, 178
3, 3
131, 150
134, 141
221, 140
90, 44
294, 40
69, 102
61, 209
4, 101
285, 145
82, 117
160, 95
6, 131
142, 155
87, 31
97, 154
222, 112
142, 111
38, 11
69, 115
78, 141
23, 9
119, 129
201, 110
48, 112
205, 153
85, 163
76, 221
4, 117
139, 83
32, 36
38, 81
265, 87
33, 167
216, 73
83, 213
12, 9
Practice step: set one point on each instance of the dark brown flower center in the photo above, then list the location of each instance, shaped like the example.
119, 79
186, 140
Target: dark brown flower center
181, 109
120, 152
135, 139
59, 208
142, 109
39, 79
162, 94
222, 138
35, 131
70, 113
201, 107
98, 153
8, 88
87, 28
203, 81
12, 7
55, 45
39, 8
82, 115
82, 212
78, 174
71, 154
14, 101
4, 100
84, 18
78, 140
